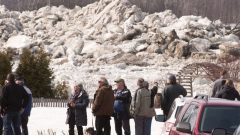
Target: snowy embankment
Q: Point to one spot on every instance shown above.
(43, 119)
(114, 38)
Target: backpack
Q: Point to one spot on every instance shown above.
(132, 105)
(157, 100)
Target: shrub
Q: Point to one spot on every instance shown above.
(232, 65)
(5, 66)
(35, 69)
(61, 90)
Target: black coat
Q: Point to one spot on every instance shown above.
(154, 91)
(228, 93)
(217, 86)
(126, 99)
(78, 115)
(14, 97)
(169, 94)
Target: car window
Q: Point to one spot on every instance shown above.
(226, 117)
(178, 111)
(190, 115)
(237, 131)
(171, 110)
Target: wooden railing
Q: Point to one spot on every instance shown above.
(45, 102)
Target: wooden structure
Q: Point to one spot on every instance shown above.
(45, 102)
(192, 71)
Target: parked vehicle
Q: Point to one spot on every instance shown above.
(207, 116)
(173, 113)
(237, 131)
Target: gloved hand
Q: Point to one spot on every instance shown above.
(3, 111)
(22, 110)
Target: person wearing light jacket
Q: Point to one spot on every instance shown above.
(143, 110)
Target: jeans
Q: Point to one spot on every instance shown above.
(1, 125)
(103, 125)
(24, 122)
(12, 120)
(143, 125)
(148, 125)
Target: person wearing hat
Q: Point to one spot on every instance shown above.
(171, 91)
(27, 110)
(77, 109)
(102, 107)
(121, 107)
(140, 82)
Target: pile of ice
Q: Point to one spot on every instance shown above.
(112, 38)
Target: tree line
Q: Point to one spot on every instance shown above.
(34, 67)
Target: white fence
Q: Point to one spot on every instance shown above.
(46, 102)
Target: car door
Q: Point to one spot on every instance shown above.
(188, 120)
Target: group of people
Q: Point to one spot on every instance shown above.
(224, 88)
(120, 105)
(16, 104)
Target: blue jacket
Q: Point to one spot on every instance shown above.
(122, 98)
(28, 108)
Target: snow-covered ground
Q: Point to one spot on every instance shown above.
(43, 118)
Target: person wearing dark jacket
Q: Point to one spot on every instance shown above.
(228, 91)
(154, 91)
(1, 120)
(121, 107)
(27, 110)
(14, 100)
(77, 110)
(102, 107)
(218, 85)
(170, 92)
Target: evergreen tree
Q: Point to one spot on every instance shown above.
(5, 66)
(61, 90)
(36, 71)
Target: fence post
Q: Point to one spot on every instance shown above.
(41, 102)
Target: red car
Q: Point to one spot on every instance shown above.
(202, 115)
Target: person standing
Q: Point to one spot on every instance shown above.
(218, 84)
(171, 91)
(154, 91)
(14, 100)
(102, 107)
(77, 110)
(143, 110)
(121, 107)
(228, 91)
(27, 111)
(1, 120)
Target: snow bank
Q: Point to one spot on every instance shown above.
(44, 119)
(20, 41)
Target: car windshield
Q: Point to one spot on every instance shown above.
(227, 117)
